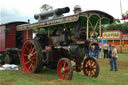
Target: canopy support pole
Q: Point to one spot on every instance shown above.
(87, 28)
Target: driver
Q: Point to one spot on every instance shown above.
(77, 9)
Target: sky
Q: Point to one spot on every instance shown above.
(22, 10)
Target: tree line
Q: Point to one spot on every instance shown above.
(123, 27)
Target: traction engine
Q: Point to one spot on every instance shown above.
(61, 41)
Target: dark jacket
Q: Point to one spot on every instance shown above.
(110, 53)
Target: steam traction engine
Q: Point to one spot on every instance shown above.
(59, 40)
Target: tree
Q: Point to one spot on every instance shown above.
(122, 27)
(117, 21)
(45, 7)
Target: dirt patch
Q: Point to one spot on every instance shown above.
(31, 75)
(41, 75)
(127, 69)
(121, 64)
(7, 82)
(103, 61)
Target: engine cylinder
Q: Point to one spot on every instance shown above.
(54, 13)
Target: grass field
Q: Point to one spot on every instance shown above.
(50, 77)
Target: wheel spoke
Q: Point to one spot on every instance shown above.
(34, 53)
(91, 61)
(31, 46)
(94, 67)
(33, 65)
(90, 73)
(64, 64)
(67, 74)
(32, 50)
(94, 70)
(34, 61)
(25, 54)
(30, 67)
(86, 72)
(93, 73)
(93, 64)
(27, 49)
(64, 74)
(27, 62)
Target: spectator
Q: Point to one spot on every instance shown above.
(110, 56)
(99, 52)
(110, 52)
(92, 51)
(114, 59)
(105, 49)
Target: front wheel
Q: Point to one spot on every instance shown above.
(65, 69)
(90, 67)
(32, 56)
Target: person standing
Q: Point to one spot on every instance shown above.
(114, 59)
(105, 49)
(110, 52)
(92, 51)
(110, 57)
(99, 52)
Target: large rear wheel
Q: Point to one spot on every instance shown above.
(64, 69)
(90, 67)
(32, 56)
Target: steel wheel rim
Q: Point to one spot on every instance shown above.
(29, 57)
(90, 67)
(63, 70)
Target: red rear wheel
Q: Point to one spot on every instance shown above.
(64, 69)
(91, 67)
(31, 56)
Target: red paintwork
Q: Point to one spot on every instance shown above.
(11, 36)
(124, 19)
(25, 36)
(93, 43)
(8, 39)
(2, 38)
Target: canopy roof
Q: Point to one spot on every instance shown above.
(65, 19)
(98, 13)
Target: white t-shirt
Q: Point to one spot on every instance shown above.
(105, 46)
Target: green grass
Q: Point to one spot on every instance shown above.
(50, 77)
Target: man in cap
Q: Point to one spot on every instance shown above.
(77, 9)
(113, 63)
